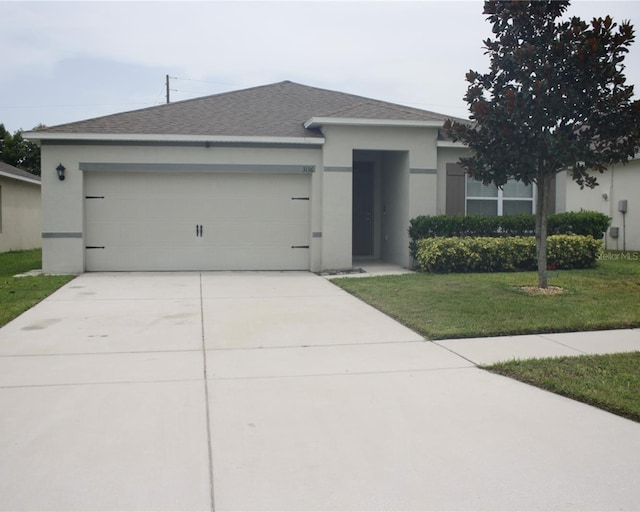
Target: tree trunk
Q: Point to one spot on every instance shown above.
(542, 216)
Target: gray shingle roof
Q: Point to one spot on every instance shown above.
(276, 110)
(10, 169)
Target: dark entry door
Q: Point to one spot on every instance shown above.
(362, 218)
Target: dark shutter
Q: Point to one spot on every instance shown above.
(455, 190)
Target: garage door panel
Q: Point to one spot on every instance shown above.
(246, 198)
(255, 233)
(140, 234)
(271, 258)
(149, 221)
(212, 258)
(122, 258)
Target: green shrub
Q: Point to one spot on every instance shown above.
(592, 224)
(586, 223)
(573, 251)
(493, 254)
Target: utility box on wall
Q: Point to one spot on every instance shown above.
(614, 232)
(622, 206)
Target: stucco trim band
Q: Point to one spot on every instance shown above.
(61, 235)
(337, 169)
(423, 171)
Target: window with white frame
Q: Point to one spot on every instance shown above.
(514, 197)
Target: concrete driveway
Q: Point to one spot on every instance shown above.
(278, 391)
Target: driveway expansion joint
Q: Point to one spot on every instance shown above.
(206, 396)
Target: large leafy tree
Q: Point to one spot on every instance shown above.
(555, 99)
(21, 153)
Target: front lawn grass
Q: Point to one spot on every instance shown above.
(610, 382)
(17, 294)
(441, 306)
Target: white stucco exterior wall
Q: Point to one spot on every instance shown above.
(396, 182)
(618, 183)
(407, 170)
(63, 201)
(20, 215)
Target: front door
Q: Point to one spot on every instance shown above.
(362, 218)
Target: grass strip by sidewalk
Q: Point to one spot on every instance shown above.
(17, 294)
(446, 306)
(610, 382)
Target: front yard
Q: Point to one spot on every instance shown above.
(445, 306)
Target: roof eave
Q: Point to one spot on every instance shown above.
(146, 137)
(20, 178)
(318, 122)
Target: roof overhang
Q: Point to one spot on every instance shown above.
(20, 178)
(317, 122)
(169, 138)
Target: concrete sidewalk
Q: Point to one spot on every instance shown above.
(486, 351)
(279, 391)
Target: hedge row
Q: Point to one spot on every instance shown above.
(491, 254)
(592, 224)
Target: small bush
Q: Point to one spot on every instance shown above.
(593, 224)
(587, 223)
(491, 254)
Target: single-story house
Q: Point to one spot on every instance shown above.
(20, 222)
(278, 177)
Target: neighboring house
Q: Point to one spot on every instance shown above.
(618, 190)
(20, 222)
(278, 177)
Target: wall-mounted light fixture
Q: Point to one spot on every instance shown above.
(60, 170)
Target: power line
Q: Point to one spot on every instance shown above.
(208, 81)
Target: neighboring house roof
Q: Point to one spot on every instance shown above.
(10, 171)
(284, 109)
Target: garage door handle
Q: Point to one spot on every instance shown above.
(199, 230)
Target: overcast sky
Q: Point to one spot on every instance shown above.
(67, 61)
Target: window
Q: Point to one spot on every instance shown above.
(515, 197)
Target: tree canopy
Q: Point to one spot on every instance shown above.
(21, 153)
(555, 99)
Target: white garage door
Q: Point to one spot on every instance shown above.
(196, 221)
